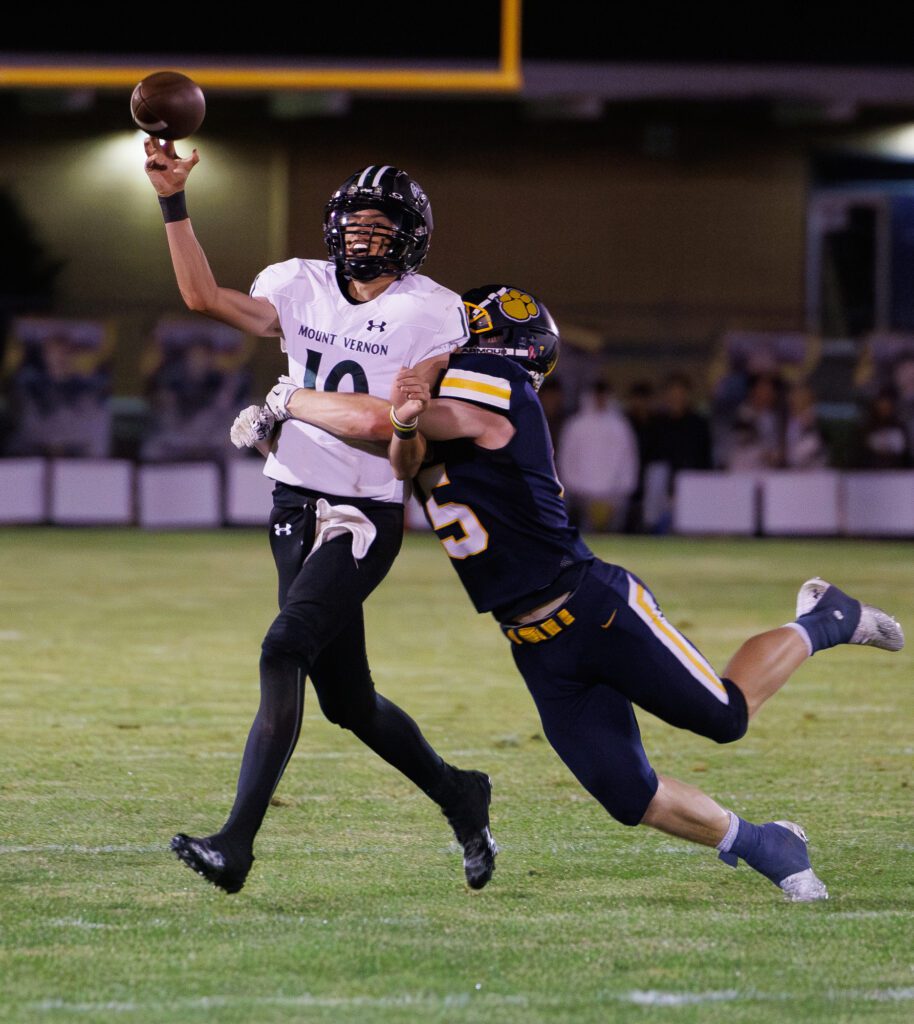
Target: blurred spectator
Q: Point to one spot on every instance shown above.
(756, 436)
(884, 441)
(804, 446)
(903, 377)
(196, 383)
(681, 440)
(642, 415)
(745, 357)
(60, 389)
(682, 434)
(598, 462)
(639, 408)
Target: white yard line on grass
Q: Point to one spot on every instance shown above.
(305, 1000)
(64, 848)
(654, 998)
(651, 997)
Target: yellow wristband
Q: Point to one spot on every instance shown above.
(404, 431)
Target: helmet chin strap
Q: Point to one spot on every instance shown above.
(362, 270)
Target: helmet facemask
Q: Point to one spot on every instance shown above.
(398, 244)
(365, 249)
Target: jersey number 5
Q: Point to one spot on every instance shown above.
(460, 532)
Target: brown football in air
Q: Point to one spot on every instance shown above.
(168, 105)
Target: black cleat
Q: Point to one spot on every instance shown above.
(468, 816)
(202, 856)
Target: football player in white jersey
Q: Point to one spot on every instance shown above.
(347, 325)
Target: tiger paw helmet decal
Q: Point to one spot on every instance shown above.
(510, 322)
(517, 305)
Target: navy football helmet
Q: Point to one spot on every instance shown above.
(380, 251)
(510, 322)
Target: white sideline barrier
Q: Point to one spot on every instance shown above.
(708, 502)
(91, 491)
(248, 493)
(176, 495)
(879, 504)
(181, 494)
(801, 503)
(23, 486)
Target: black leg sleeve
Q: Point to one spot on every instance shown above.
(344, 687)
(270, 743)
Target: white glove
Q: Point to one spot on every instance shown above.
(252, 424)
(279, 396)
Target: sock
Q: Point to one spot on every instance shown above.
(741, 838)
(771, 849)
(270, 743)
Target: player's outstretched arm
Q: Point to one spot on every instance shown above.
(168, 174)
(410, 396)
(349, 416)
(353, 417)
(449, 418)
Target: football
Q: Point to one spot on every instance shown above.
(168, 105)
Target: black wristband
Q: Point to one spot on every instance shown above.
(173, 207)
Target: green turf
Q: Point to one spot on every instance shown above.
(128, 681)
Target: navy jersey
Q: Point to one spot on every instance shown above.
(499, 514)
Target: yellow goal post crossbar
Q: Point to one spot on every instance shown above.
(506, 77)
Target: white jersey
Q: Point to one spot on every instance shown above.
(335, 344)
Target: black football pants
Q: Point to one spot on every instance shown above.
(320, 633)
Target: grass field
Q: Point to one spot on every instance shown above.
(127, 684)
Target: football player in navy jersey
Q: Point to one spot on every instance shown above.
(589, 637)
(346, 323)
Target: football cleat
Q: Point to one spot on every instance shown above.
(802, 886)
(782, 856)
(202, 856)
(468, 816)
(875, 627)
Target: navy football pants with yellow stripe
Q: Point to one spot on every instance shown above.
(612, 649)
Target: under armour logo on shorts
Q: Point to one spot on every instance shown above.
(283, 530)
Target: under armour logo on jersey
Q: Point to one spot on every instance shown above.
(283, 529)
(373, 326)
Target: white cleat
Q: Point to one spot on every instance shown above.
(804, 886)
(876, 628)
(809, 595)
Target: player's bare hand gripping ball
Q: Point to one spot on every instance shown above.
(165, 169)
